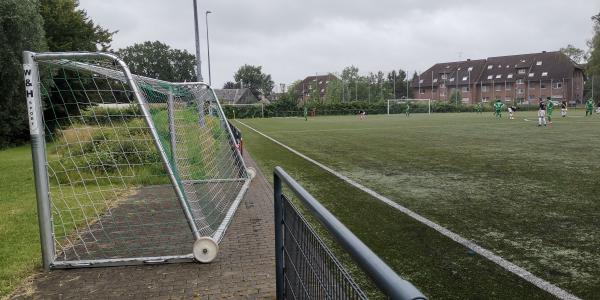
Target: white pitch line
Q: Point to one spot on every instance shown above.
(509, 266)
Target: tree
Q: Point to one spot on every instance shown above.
(21, 28)
(68, 28)
(231, 85)
(253, 78)
(158, 60)
(575, 54)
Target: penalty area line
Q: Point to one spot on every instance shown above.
(507, 265)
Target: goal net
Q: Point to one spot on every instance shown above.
(128, 169)
(398, 106)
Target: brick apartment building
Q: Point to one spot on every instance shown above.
(310, 83)
(520, 78)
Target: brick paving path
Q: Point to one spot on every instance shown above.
(245, 267)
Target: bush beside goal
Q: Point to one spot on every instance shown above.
(128, 169)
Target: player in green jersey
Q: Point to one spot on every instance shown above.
(407, 109)
(305, 113)
(549, 110)
(589, 107)
(498, 108)
(478, 108)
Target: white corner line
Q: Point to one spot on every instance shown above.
(509, 266)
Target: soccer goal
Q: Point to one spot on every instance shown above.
(395, 106)
(128, 169)
(252, 110)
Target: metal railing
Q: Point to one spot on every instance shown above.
(308, 269)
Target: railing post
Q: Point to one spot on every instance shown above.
(278, 203)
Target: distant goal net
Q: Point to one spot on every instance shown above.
(399, 106)
(128, 169)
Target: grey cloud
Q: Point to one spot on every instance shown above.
(295, 38)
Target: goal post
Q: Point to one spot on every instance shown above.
(128, 169)
(260, 108)
(391, 102)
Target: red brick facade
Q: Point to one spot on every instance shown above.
(516, 79)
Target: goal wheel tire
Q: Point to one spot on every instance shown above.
(205, 249)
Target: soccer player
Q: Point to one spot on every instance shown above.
(305, 113)
(542, 113)
(511, 112)
(407, 109)
(549, 110)
(589, 107)
(498, 107)
(563, 109)
(478, 108)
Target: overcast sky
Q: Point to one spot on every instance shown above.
(295, 38)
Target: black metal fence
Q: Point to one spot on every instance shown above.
(308, 269)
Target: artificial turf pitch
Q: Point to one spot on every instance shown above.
(529, 194)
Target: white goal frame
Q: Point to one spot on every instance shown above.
(45, 206)
(399, 101)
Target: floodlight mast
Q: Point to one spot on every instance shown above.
(198, 59)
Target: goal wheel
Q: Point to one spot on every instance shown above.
(251, 172)
(205, 249)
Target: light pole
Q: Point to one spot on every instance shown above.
(208, 46)
(198, 59)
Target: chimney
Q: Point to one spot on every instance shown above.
(468, 59)
(544, 51)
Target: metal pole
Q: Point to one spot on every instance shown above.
(394, 87)
(208, 45)
(198, 59)
(171, 113)
(279, 262)
(38, 153)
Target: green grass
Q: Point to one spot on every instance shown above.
(529, 194)
(19, 239)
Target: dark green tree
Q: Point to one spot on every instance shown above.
(231, 85)
(158, 60)
(68, 28)
(253, 78)
(21, 28)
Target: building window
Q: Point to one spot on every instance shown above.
(485, 99)
(531, 74)
(508, 99)
(435, 80)
(465, 89)
(321, 82)
(539, 63)
(470, 69)
(451, 79)
(520, 81)
(421, 81)
(542, 85)
(544, 74)
(498, 76)
(484, 88)
(498, 87)
(557, 85)
(509, 76)
(442, 86)
(520, 91)
(421, 91)
(508, 86)
(531, 97)
(521, 71)
(490, 67)
(490, 77)
(465, 78)
(444, 76)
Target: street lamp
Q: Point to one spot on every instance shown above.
(208, 45)
(198, 59)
